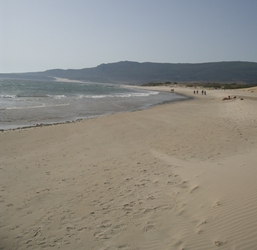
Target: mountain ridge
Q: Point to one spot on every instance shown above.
(136, 73)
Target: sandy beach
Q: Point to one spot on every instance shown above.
(176, 176)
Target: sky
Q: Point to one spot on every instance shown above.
(37, 35)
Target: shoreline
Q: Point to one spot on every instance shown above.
(175, 176)
(187, 92)
(78, 119)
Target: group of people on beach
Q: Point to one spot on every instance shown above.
(203, 92)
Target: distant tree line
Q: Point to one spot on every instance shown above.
(213, 85)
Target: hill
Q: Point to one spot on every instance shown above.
(139, 73)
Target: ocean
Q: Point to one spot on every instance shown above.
(32, 103)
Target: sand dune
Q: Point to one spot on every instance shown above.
(176, 176)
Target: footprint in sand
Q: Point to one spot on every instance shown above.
(123, 246)
(148, 228)
(216, 204)
(218, 243)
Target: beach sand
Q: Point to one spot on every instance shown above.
(175, 176)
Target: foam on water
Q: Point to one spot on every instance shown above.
(27, 103)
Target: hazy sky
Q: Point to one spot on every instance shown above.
(36, 35)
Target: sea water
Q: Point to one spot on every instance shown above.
(31, 103)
